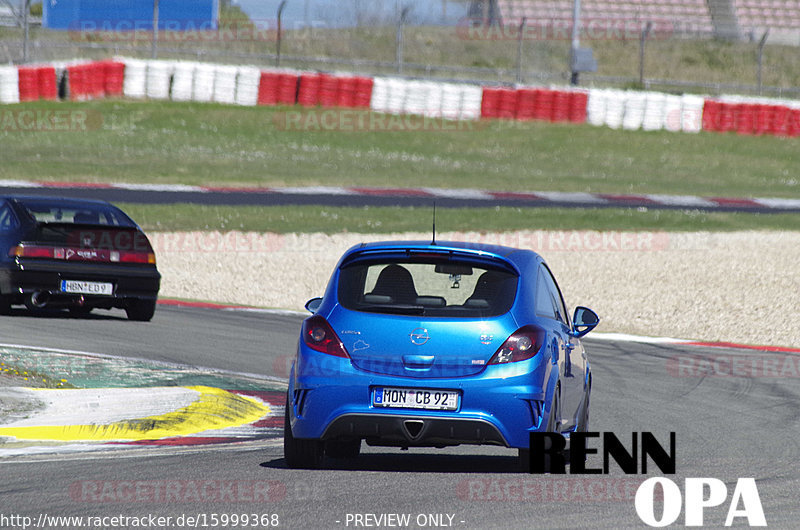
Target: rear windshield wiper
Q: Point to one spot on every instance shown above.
(400, 309)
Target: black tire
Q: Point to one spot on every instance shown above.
(5, 305)
(552, 421)
(343, 448)
(583, 422)
(141, 310)
(300, 454)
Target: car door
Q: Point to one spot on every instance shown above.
(572, 380)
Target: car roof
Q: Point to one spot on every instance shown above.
(514, 255)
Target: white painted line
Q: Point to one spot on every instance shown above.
(582, 198)
(683, 200)
(779, 204)
(160, 187)
(100, 406)
(459, 193)
(280, 312)
(19, 184)
(624, 337)
(314, 190)
(54, 350)
(59, 449)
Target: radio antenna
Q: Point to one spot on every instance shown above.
(433, 240)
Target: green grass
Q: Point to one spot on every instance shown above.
(206, 144)
(369, 220)
(199, 144)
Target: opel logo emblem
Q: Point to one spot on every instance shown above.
(419, 336)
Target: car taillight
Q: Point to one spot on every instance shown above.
(318, 335)
(32, 251)
(133, 257)
(521, 345)
(81, 254)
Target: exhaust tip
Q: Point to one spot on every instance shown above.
(37, 300)
(413, 428)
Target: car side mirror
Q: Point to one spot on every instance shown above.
(313, 304)
(583, 321)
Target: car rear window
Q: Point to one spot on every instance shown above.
(84, 214)
(430, 288)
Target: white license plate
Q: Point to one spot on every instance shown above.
(81, 287)
(414, 398)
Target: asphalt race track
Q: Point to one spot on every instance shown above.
(726, 428)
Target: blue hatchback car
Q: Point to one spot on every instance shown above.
(420, 344)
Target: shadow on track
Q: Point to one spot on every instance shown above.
(417, 463)
(61, 314)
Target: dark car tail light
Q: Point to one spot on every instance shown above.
(81, 254)
(32, 251)
(520, 346)
(134, 257)
(319, 335)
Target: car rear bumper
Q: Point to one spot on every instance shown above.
(413, 430)
(499, 406)
(20, 278)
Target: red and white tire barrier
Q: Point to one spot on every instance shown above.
(534, 103)
(648, 111)
(752, 116)
(37, 82)
(9, 84)
(453, 101)
(135, 85)
(251, 85)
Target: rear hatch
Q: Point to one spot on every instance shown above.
(85, 243)
(421, 348)
(426, 313)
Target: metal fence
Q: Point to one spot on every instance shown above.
(437, 39)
